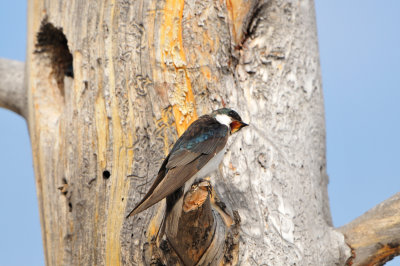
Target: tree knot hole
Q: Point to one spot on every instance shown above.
(52, 43)
(106, 174)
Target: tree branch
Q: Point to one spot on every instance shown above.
(12, 91)
(374, 237)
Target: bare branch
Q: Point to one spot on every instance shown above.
(374, 237)
(12, 91)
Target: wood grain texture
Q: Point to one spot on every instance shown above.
(142, 70)
(374, 237)
(196, 231)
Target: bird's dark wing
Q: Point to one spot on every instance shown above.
(198, 144)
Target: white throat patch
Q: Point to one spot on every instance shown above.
(224, 119)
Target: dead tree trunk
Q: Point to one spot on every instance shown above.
(111, 84)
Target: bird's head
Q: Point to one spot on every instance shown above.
(229, 118)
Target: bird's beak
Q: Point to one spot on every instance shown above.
(243, 125)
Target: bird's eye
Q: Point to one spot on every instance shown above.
(234, 115)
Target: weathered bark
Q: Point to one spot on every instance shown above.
(12, 89)
(374, 237)
(141, 73)
(110, 86)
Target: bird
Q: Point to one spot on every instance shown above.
(197, 153)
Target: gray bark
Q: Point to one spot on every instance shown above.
(278, 179)
(12, 89)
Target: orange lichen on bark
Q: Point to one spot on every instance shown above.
(382, 255)
(174, 65)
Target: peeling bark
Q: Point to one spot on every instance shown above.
(374, 237)
(12, 89)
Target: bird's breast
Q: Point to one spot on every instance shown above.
(212, 164)
(207, 169)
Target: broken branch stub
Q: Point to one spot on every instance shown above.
(12, 90)
(374, 237)
(202, 236)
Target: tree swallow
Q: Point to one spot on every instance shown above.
(197, 153)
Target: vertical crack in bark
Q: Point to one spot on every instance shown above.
(244, 17)
(243, 23)
(252, 22)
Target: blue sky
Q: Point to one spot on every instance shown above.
(360, 60)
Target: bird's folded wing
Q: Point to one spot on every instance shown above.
(198, 144)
